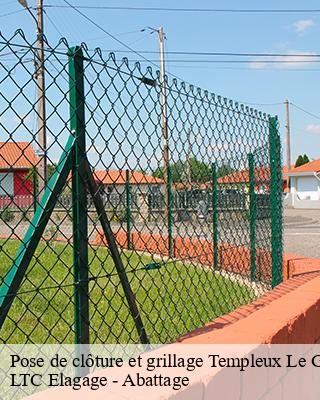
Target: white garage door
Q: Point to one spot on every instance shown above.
(307, 184)
(6, 184)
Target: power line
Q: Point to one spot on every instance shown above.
(118, 34)
(262, 104)
(114, 38)
(11, 13)
(236, 61)
(214, 10)
(207, 67)
(305, 111)
(260, 69)
(53, 23)
(11, 53)
(140, 38)
(309, 55)
(106, 32)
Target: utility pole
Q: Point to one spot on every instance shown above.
(41, 107)
(288, 150)
(163, 98)
(42, 139)
(164, 117)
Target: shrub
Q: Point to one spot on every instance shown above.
(7, 215)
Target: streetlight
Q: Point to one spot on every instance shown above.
(41, 124)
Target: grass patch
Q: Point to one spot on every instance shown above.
(172, 300)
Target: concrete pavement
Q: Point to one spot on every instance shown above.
(302, 232)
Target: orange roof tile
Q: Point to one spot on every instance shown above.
(116, 177)
(261, 174)
(312, 166)
(17, 155)
(285, 169)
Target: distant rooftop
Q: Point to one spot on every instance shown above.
(17, 155)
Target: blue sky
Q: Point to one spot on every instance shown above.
(246, 82)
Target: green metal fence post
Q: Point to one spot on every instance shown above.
(79, 198)
(215, 215)
(252, 209)
(133, 307)
(128, 211)
(14, 277)
(275, 201)
(169, 191)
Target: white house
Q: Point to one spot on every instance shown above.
(305, 185)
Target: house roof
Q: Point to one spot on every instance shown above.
(243, 176)
(118, 177)
(260, 174)
(310, 167)
(17, 155)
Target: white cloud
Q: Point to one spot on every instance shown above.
(313, 128)
(293, 59)
(302, 25)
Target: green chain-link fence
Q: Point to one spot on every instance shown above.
(161, 209)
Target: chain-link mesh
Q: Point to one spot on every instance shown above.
(187, 182)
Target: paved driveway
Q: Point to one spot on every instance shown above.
(302, 232)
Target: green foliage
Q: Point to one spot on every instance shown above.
(168, 308)
(200, 171)
(224, 170)
(7, 215)
(119, 214)
(305, 159)
(301, 160)
(33, 175)
(177, 171)
(50, 170)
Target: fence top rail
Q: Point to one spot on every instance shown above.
(20, 47)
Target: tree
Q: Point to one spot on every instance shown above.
(301, 160)
(200, 171)
(50, 170)
(305, 159)
(224, 170)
